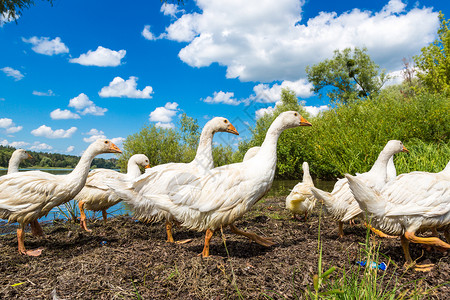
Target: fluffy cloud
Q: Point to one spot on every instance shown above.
(262, 111)
(13, 129)
(125, 88)
(163, 115)
(48, 132)
(70, 149)
(9, 125)
(48, 93)
(280, 48)
(46, 46)
(94, 134)
(4, 18)
(12, 73)
(221, 97)
(40, 146)
(85, 106)
(169, 9)
(315, 110)
(118, 141)
(266, 94)
(102, 57)
(3, 142)
(146, 33)
(6, 122)
(59, 114)
(19, 144)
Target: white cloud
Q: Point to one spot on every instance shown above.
(262, 111)
(13, 129)
(59, 114)
(6, 122)
(125, 88)
(94, 134)
(40, 146)
(48, 93)
(85, 106)
(118, 141)
(315, 110)
(2, 99)
(18, 144)
(284, 43)
(12, 73)
(396, 77)
(102, 57)
(169, 9)
(146, 33)
(44, 45)
(48, 132)
(221, 97)
(4, 143)
(165, 125)
(70, 149)
(4, 18)
(266, 94)
(164, 114)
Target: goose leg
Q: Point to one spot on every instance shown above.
(83, 217)
(36, 228)
(104, 215)
(434, 241)
(169, 232)
(208, 236)
(341, 229)
(379, 232)
(21, 242)
(267, 242)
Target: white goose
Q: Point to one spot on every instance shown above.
(156, 179)
(27, 196)
(97, 196)
(341, 204)
(410, 203)
(17, 157)
(225, 193)
(301, 200)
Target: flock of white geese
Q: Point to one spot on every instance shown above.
(198, 196)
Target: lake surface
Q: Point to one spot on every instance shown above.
(279, 188)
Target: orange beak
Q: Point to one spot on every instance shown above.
(405, 150)
(232, 130)
(303, 122)
(147, 167)
(29, 156)
(114, 149)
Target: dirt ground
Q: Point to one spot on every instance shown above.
(127, 259)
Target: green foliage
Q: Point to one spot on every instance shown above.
(347, 77)
(433, 63)
(12, 9)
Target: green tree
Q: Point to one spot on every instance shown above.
(12, 9)
(347, 77)
(434, 61)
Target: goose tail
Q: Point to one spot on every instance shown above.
(368, 199)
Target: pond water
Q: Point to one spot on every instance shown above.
(279, 188)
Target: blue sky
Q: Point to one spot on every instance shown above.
(79, 70)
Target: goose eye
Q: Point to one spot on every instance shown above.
(225, 121)
(106, 142)
(295, 114)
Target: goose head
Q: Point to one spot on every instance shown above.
(291, 119)
(21, 154)
(220, 124)
(141, 160)
(103, 146)
(395, 146)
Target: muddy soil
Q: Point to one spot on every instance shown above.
(127, 259)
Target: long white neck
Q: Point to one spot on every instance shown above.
(13, 166)
(268, 150)
(79, 175)
(379, 168)
(204, 157)
(306, 176)
(133, 170)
